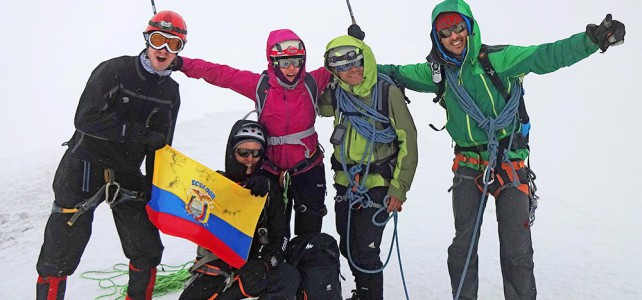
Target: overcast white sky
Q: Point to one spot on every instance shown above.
(52, 47)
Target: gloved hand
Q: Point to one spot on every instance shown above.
(152, 139)
(252, 276)
(258, 185)
(609, 33)
(355, 31)
(177, 64)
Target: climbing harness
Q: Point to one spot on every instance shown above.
(111, 192)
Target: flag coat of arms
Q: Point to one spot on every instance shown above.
(194, 202)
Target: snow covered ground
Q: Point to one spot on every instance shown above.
(585, 138)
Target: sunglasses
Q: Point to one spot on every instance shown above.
(350, 55)
(346, 67)
(286, 62)
(159, 40)
(446, 32)
(242, 152)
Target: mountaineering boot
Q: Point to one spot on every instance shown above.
(369, 287)
(51, 288)
(141, 283)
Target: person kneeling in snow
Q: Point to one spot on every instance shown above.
(265, 273)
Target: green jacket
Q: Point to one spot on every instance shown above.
(405, 149)
(510, 62)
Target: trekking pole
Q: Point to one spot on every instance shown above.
(153, 7)
(349, 9)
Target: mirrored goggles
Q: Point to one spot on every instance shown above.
(286, 62)
(159, 40)
(350, 55)
(242, 152)
(446, 32)
(346, 67)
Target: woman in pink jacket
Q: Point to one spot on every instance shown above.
(286, 102)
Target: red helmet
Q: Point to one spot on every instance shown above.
(170, 22)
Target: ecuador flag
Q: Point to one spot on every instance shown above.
(193, 202)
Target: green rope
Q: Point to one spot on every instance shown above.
(169, 279)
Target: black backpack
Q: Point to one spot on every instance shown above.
(316, 257)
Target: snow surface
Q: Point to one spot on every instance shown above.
(585, 135)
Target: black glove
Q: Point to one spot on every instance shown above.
(355, 31)
(609, 33)
(152, 139)
(252, 276)
(258, 185)
(177, 64)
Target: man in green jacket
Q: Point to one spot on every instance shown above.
(375, 156)
(489, 155)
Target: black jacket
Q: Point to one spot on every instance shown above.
(275, 216)
(120, 102)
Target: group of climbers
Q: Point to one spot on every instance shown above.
(129, 109)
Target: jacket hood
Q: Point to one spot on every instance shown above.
(369, 65)
(233, 168)
(439, 54)
(277, 36)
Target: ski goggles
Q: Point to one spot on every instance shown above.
(290, 51)
(350, 55)
(286, 62)
(159, 40)
(242, 152)
(346, 67)
(457, 28)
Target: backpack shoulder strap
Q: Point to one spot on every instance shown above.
(490, 71)
(261, 92)
(313, 89)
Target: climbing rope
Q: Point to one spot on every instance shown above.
(507, 116)
(168, 279)
(363, 119)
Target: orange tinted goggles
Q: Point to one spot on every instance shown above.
(159, 40)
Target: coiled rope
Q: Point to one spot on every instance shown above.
(169, 279)
(363, 119)
(507, 116)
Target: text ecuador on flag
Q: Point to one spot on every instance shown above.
(191, 201)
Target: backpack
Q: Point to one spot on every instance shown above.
(316, 257)
(438, 70)
(264, 85)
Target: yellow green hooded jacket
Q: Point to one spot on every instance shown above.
(405, 149)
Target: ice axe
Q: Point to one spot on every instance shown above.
(349, 9)
(154, 7)
(354, 30)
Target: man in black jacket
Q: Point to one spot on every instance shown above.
(127, 111)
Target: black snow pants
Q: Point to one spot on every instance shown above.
(63, 246)
(364, 241)
(516, 247)
(307, 191)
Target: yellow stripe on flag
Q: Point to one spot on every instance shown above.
(202, 188)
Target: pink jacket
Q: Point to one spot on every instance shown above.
(285, 111)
